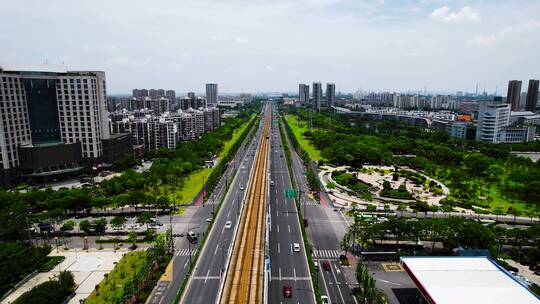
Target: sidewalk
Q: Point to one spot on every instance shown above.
(88, 270)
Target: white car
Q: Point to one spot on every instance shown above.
(228, 225)
(325, 300)
(296, 247)
(208, 220)
(241, 187)
(134, 226)
(118, 228)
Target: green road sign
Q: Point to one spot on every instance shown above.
(290, 193)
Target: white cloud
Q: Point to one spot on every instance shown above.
(241, 40)
(269, 68)
(505, 33)
(443, 14)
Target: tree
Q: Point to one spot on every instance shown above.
(477, 163)
(162, 202)
(100, 225)
(84, 226)
(144, 218)
(118, 221)
(132, 238)
(346, 242)
(401, 208)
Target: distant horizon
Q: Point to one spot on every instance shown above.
(269, 46)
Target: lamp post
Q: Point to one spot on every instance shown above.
(85, 243)
(56, 241)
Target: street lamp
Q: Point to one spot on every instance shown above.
(85, 243)
(56, 241)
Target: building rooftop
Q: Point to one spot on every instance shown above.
(450, 280)
(50, 68)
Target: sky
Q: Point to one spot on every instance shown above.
(273, 45)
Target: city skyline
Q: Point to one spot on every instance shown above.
(375, 45)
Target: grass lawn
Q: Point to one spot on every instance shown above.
(298, 128)
(499, 201)
(194, 182)
(111, 287)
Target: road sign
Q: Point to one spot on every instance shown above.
(290, 193)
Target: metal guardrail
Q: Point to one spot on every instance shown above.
(12, 290)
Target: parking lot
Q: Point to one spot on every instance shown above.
(394, 281)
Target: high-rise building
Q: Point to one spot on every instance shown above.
(212, 94)
(330, 94)
(317, 96)
(492, 118)
(303, 94)
(514, 93)
(532, 95)
(52, 118)
(171, 95)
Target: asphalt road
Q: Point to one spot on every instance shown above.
(287, 268)
(166, 291)
(326, 228)
(204, 283)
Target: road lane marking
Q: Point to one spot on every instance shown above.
(278, 248)
(215, 251)
(278, 228)
(280, 273)
(335, 280)
(291, 278)
(289, 226)
(294, 273)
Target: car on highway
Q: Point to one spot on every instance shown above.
(192, 237)
(228, 225)
(271, 183)
(324, 300)
(287, 291)
(241, 187)
(296, 247)
(208, 220)
(326, 265)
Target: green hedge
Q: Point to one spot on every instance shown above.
(54, 291)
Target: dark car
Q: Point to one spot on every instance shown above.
(534, 267)
(326, 265)
(287, 291)
(537, 272)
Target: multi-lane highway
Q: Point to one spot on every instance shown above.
(205, 281)
(326, 228)
(195, 219)
(288, 268)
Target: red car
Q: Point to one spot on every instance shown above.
(287, 291)
(326, 265)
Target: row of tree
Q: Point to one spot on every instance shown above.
(451, 232)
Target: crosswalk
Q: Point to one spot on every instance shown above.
(327, 254)
(184, 252)
(309, 203)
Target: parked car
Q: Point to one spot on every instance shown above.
(134, 226)
(316, 265)
(326, 265)
(287, 291)
(118, 228)
(534, 267)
